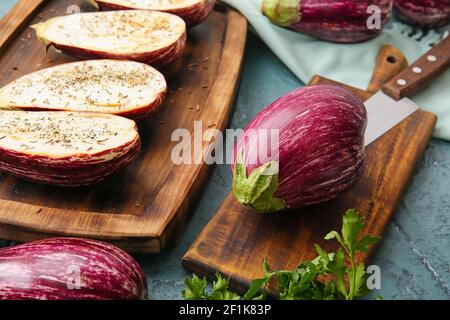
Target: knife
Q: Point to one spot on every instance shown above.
(390, 105)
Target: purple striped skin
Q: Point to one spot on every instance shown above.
(45, 270)
(424, 13)
(321, 144)
(193, 15)
(342, 21)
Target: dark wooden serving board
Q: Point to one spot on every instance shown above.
(236, 240)
(146, 205)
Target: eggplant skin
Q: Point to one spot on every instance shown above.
(342, 21)
(146, 111)
(348, 23)
(424, 13)
(70, 269)
(67, 172)
(192, 15)
(321, 150)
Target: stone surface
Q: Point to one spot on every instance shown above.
(414, 256)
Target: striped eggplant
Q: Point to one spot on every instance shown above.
(305, 148)
(424, 13)
(343, 21)
(69, 269)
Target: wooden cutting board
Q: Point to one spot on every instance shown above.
(145, 206)
(236, 240)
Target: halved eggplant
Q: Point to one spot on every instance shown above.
(193, 12)
(155, 38)
(66, 148)
(125, 88)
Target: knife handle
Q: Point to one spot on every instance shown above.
(420, 73)
(390, 61)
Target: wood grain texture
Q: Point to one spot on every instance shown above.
(16, 18)
(390, 61)
(420, 73)
(144, 207)
(236, 240)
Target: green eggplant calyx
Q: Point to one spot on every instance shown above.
(282, 12)
(257, 190)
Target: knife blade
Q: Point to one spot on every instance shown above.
(390, 105)
(384, 113)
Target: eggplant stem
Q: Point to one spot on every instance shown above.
(257, 190)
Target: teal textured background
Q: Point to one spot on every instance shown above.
(414, 256)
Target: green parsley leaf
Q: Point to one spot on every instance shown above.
(195, 288)
(358, 281)
(337, 268)
(364, 244)
(352, 224)
(220, 290)
(255, 288)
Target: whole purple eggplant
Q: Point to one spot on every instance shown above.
(424, 13)
(69, 269)
(332, 20)
(305, 148)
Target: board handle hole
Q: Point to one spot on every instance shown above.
(391, 59)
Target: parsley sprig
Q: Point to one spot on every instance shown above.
(196, 289)
(330, 276)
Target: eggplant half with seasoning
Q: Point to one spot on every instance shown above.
(66, 148)
(126, 88)
(155, 38)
